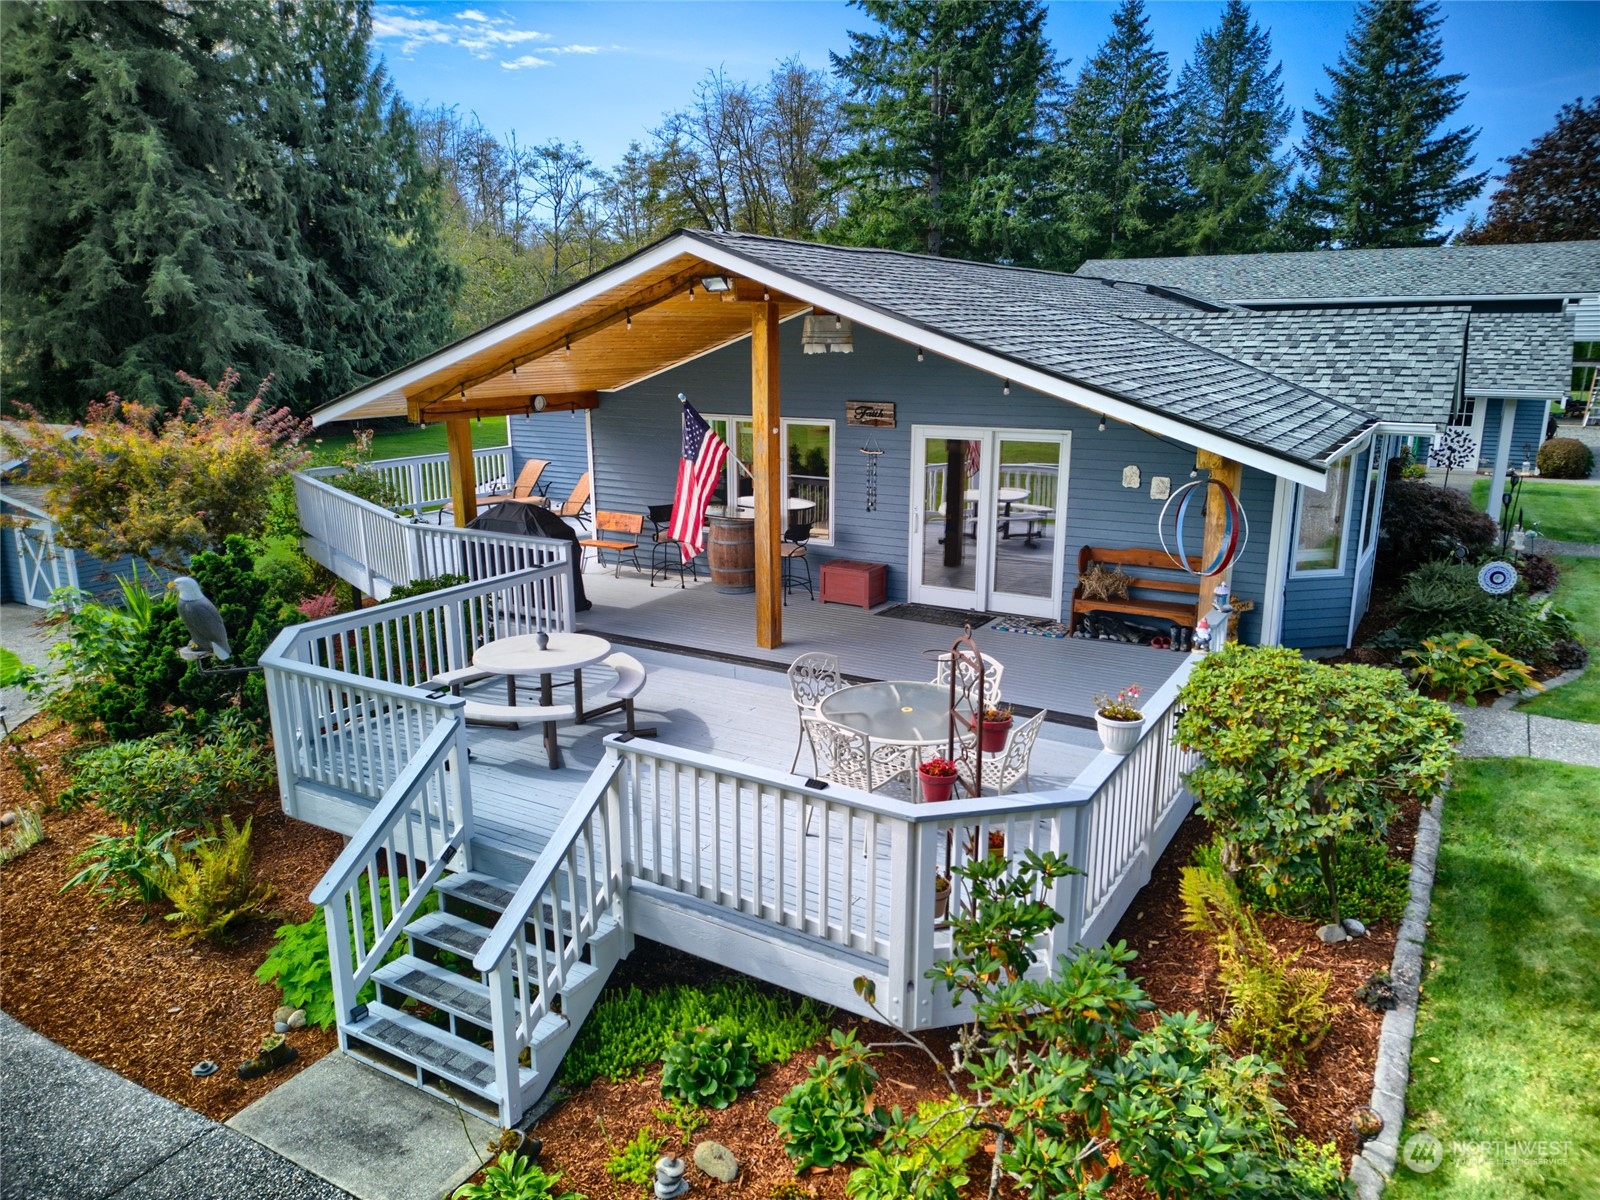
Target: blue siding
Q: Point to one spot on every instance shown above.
(637, 435)
(560, 437)
(1527, 431)
(1316, 608)
(10, 565)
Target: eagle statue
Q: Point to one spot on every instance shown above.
(207, 633)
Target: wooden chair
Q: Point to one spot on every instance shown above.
(624, 530)
(1002, 771)
(576, 505)
(812, 679)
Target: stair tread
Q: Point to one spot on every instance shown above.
(451, 932)
(456, 1059)
(437, 986)
(477, 888)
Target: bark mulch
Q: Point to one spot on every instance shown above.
(111, 982)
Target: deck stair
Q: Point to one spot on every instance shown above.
(432, 1023)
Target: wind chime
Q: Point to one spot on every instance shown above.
(874, 452)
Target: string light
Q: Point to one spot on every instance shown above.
(1005, 388)
(691, 291)
(1102, 423)
(629, 316)
(919, 353)
(569, 346)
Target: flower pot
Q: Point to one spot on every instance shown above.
(941, 899)
(992, 734)
(997, 843)
(936, 787)
(1119, 737)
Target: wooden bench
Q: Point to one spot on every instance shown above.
(1184, 612)
(620, 526)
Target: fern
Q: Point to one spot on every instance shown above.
(210, 886)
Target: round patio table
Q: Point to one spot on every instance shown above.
(900, 712)
(521, 655)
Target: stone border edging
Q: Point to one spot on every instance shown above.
(1373, 1166)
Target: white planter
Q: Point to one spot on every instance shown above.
(1119, 737)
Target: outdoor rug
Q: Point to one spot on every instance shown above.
(932, 614)
(1038, 626)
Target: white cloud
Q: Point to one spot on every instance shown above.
(525, 63)
(470, 30)
(576, 49)
(471, 14)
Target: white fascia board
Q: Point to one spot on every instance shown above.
(394, 385)
(1004, 368)
(1407, 428)
(1512, 394)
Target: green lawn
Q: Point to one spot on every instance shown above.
(409, 440)
(1508, 1040)
(1579, 593)
(1567, 512)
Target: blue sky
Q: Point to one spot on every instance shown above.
(602, 74)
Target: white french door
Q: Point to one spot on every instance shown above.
(988, 508)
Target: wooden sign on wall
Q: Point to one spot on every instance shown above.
(877, 413)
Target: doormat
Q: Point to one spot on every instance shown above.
(1038, 626)
(932, 614)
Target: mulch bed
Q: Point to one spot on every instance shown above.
(115, 986)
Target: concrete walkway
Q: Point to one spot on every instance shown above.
(1505, 733)
(72, 1130)
(23, 631)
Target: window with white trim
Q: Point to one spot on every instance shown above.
(808, 470)
(1319, 535)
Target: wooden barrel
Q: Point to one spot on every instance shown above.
(731, 547)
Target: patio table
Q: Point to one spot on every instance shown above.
(901, 713)
(795, 504)
(522, 655)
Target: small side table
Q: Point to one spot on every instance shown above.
(845, 581)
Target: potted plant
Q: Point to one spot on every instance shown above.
(994, 728)
(997, 843)
(1119, 720)
(941, 897)
(938, 776)
(275, 1053)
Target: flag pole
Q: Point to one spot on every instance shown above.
(732, 453)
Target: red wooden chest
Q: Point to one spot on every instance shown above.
(861, 583)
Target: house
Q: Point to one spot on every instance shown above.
(1525, 306)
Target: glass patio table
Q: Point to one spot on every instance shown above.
(900, 712)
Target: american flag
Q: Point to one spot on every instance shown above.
(698, 475)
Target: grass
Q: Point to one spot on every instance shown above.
(1579, 593)
(1565, 512)
(1508, 1040)
(410, 440)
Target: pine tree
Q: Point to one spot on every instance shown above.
(1121, 156)
(1381, 171)
(1551, 191)
(135, 236)
(946, 107)
(1234, 121)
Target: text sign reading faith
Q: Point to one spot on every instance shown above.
(877, 413)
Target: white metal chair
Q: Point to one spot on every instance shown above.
(812, 679)
(630, 682)
(853, 759)
(1002, 771)
(967, 676)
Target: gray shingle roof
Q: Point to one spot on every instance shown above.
(1401, 364)
(1422, 273)
(1527, 352)
(1079, 330)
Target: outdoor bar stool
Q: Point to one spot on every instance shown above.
(793, 553)
(665, 550)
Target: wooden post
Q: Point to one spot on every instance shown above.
(768, 470)
(1226, 471)
(463, 476)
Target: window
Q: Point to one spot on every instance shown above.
(1377, 462)
(807, 470)
(1319, 534)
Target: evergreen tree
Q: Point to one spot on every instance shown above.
(366, 212)
(1234, 121)
(1380, 169)
(946, 104)
(1551, 193)
(135, 230)
(1121, 156)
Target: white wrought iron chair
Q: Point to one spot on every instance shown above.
(853, 759)
(967, 676)
(1001, 771)
(812, 679)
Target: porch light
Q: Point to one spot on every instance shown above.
(820, 335)
(716, 283)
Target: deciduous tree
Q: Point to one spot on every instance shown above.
(1550, 191)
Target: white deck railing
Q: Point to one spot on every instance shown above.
(422, 481)
(1039, 480)
(369, 547)
(422, 822)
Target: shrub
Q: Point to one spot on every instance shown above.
(1422, 523)
(1297, 754)
(1274, 1007)
(706, 1067)
(1462, 666)
(129, 866)
(824, 1121)
(922, 1157)
(513, 1177)
(360, 479)
(635, 1163)
(1442, 597)
(1565, 458)
(1373, 884)
(210, 886)
(171, 779)
(1539, 573)
(685, 1118)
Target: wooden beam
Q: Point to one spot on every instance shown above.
(1225, 471)
(750, 290)
(765, 419)
(498, 406)
(645, 298)
(463, 477)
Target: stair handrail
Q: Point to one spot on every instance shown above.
(417, 842)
